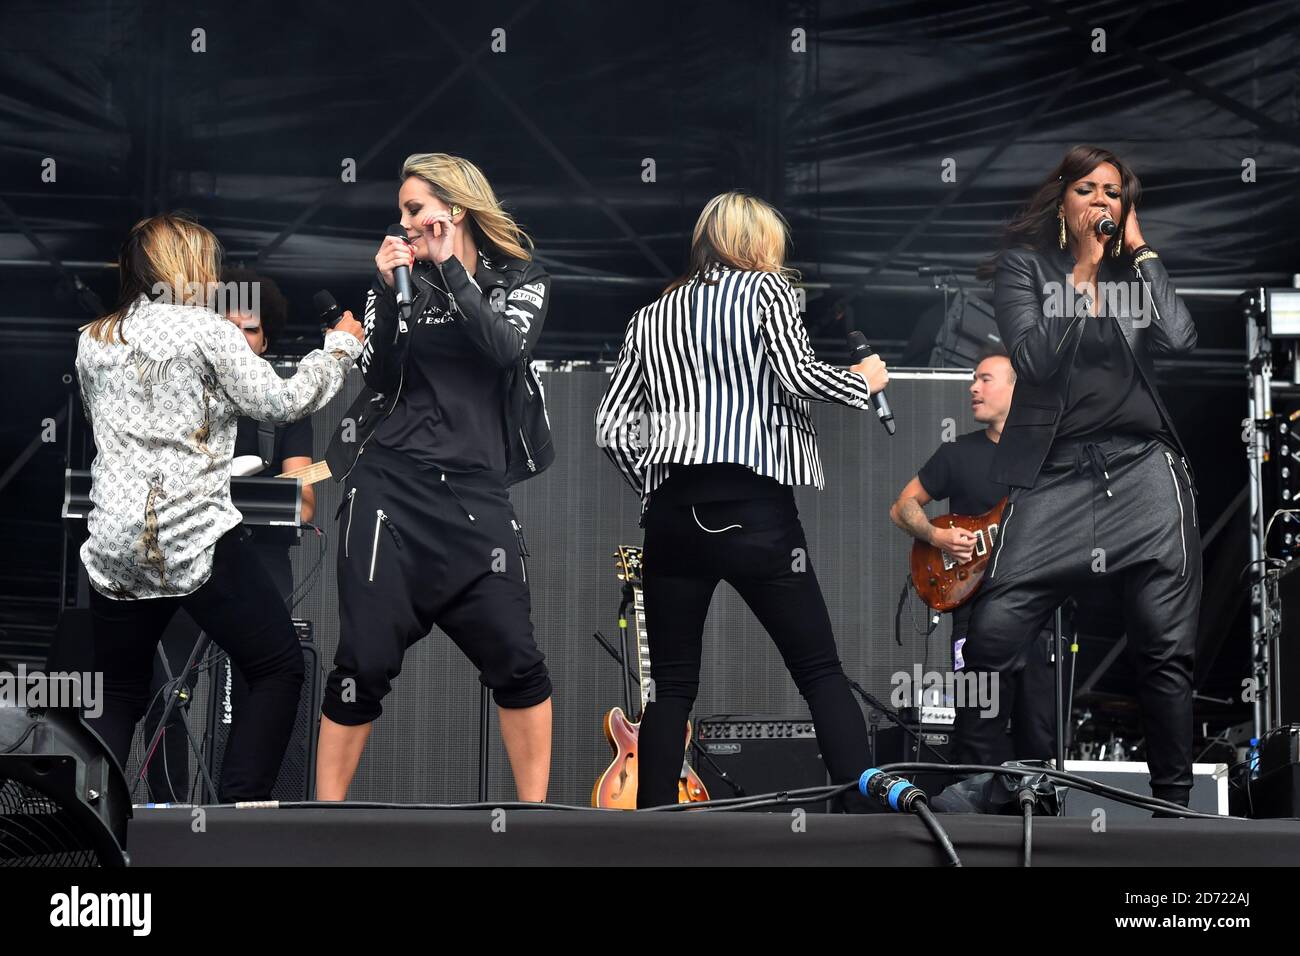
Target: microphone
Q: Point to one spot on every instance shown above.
(858, 351)
(891, 791)
(402, 277)
(1106, 226)
(327, 310)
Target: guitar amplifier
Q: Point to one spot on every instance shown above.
(297, 777)
(760, 754)
(930, 741)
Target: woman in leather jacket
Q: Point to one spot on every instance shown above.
(1101, 491)
(452, 415)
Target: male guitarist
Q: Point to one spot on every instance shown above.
(958, 471)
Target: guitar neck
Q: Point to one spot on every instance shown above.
(637, 622)
(309, 474)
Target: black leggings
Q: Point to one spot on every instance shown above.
(687, 552)
(242, 612)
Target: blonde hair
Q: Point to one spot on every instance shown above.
(162, 255)
(459, 182)
(739, 231)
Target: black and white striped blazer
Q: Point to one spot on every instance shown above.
(720, 370)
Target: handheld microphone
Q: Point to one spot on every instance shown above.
(402, 277)
(890, 791)
(327, 310)
(1106, 226)
(859, 350)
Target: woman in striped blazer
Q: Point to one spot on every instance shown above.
(707, 417)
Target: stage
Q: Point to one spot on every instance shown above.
(367, 836)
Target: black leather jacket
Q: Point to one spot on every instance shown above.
(504, 320)
(1042, 330)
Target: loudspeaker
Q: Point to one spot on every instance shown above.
(967, 333)
(759, 754)
(297, 777)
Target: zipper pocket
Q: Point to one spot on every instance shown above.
(383, 520)
(401, 380)
(523, 547)
(1068, 330)
(1178, 492)
(351, 502)
(519, 536)
(1002, 537)
(1191, 487)
(528, 452)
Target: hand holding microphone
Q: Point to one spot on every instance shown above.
(869, 365)
(394, 259)
(332, 318)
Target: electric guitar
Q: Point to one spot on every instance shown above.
(617, 786)
(941, 581)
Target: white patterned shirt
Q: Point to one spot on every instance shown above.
(163, 408)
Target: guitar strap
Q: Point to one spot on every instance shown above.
(266, 444)
(931, 623)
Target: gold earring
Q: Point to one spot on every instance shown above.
(1118, 244)
(1060, 217)
(455, 210)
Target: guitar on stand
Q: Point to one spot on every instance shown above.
(941, 581)
(617, 786)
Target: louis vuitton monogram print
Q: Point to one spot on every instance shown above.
(163, 409)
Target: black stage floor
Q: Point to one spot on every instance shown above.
(354, 836)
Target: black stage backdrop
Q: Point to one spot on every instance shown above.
(605, 127)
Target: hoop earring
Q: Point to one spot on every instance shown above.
(1060, 218)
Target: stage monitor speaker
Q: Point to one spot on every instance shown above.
(297, 777)
(1275, 792)
(759, 754)
(1209, 788)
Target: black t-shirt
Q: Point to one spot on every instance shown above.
(959, 472)
(451, 411)
(293, 440)
(1106, 395)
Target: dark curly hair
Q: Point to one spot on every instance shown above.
(274, 306)
(1034, 225)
